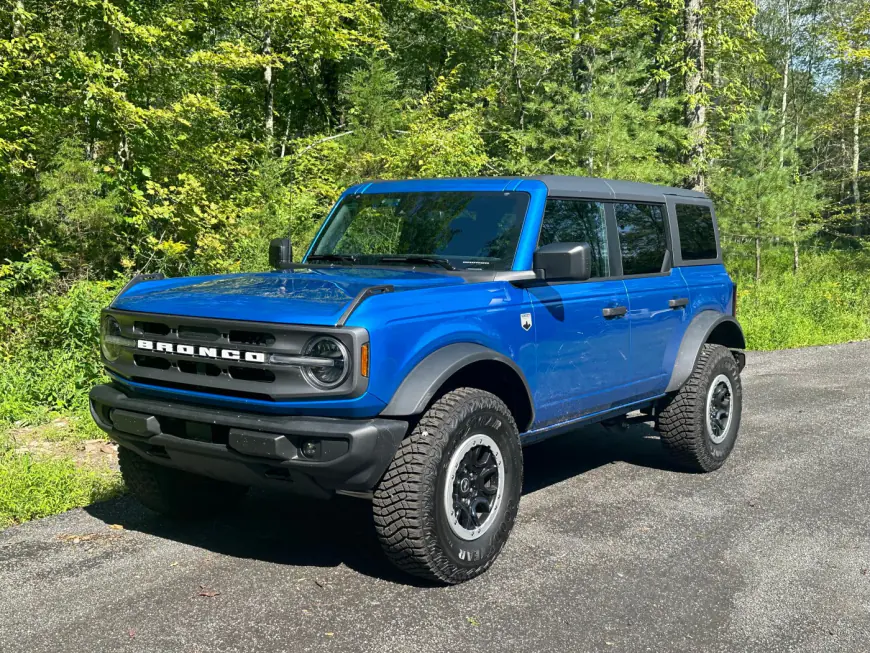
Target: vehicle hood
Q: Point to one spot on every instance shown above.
(316, 296)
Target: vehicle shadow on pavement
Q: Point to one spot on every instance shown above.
(578, 452)
(290, 530)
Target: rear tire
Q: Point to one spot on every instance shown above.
(175, 493)
(699, 423)
(447, 503)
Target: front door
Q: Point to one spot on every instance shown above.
(582, 334)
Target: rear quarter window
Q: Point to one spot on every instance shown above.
(697, 237)
(642, 239)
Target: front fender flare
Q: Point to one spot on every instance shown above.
(416, 391)
(698, 333)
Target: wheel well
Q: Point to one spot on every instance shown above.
(727, 334)
(499, 379)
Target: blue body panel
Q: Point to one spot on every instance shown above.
(576, 362)
(656, 329)
(709, 288)
(583, 358)
(317, 296)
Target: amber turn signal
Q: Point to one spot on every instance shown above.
(364, 360)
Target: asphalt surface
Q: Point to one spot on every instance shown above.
(613, 551)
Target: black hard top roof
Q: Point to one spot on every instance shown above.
(594, 187)
(557, 186)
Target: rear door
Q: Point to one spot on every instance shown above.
(582, 355)
(658, 296)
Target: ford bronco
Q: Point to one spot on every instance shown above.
(430, 331)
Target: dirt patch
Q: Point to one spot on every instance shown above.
(56, 440)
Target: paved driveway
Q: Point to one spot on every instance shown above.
(613, 551)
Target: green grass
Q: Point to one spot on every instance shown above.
(33, 486)
(826, 302)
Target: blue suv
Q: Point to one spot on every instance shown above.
(431, 330)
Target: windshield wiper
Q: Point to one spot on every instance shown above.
(340, 258)
(427, 260)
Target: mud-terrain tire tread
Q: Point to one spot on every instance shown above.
(175, 493)
(681, 422)
(401, 521)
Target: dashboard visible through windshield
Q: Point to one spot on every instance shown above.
(453, 230)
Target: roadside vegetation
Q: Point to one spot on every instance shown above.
(180, 137)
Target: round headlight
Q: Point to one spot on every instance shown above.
(110, 337)
(328, 376)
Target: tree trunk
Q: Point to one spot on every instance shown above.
(124, 154)
(856, 157)
(514, 63)
(17, 25)
(576, 58)
(717, 66)
(758, 249)
(696, 109)
(785, 71)
(662, 84)
(796, 258)
(269, 96)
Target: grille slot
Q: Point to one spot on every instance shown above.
(196, 367)
(153, 328)
(252, 374)
(202, 334)
(256, 338)
(152, 361)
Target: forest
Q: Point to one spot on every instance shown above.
(179, 136)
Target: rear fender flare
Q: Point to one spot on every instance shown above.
(697, 334)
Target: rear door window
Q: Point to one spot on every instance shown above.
(576, 221)
(697, 237)
(642, 239)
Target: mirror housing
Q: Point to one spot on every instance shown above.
(563, 262)
(280, 253)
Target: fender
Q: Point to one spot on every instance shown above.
(422, 382)
(698, 333)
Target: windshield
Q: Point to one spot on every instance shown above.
(451, 230)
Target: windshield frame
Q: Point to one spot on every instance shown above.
(509, 262)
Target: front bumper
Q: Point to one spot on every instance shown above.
(249, 449)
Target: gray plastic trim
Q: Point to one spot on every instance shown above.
(421, 384)
(696, 335)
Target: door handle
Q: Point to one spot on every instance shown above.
(678, 303)
(614, 311)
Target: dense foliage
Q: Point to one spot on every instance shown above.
(180, 135)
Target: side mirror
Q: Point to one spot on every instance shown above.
(280, 253)
(563, 262)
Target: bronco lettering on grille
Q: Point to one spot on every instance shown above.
(204, 352)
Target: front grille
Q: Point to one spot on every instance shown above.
(189, 353)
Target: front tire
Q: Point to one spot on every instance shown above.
(447, 503)
(699, 423)
(175, 493)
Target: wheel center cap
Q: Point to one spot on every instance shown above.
(464, 485)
